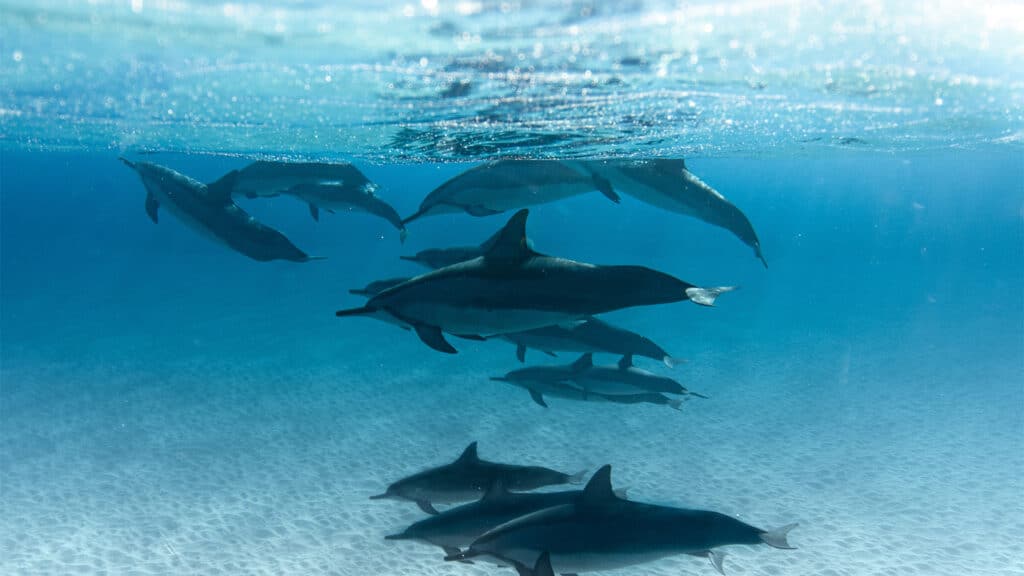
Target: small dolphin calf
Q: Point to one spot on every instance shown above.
(601, 531)
(376, 287)
(512, 288)
(458, 527)
(669, 185)
(328, 186)
(593, 335)
(467, 478)
(495, 187)
(550, 381)
(435, 258)
(606, 379)
(209, 210)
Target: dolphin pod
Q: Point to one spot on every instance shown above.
(209, 210)
(513, 288)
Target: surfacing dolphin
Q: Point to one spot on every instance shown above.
(601, 531)
(467, 478)
(502, 185)
(458, 527)
(513, 288)
(667, 184)
(209, 210)
(333, 187)
(592, 335)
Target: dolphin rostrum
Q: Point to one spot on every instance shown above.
(503, 185)
(667, 184)
(593, 335)
(458, 527)
(513, 288)
(467, 478)
(209, 210)
(601, 531)
(329, 186)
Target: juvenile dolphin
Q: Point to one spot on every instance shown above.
(376, 287)
(467, 478)
(667, 184)
(435, 258)
(541, 382)
(601, 531)
(593, 335)
(209, 210)
(501, 185)
(604, 379)
(513, 288)
(458, 527)
(328, 186)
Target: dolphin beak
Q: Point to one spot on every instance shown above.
(383, 496)
(499, 379)
(409, 258)
(127, 162)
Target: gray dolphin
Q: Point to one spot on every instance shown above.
(601, 531)
(467, 478)
(513, 288)
(501, 185)
(593, 335)
(209, 210)
(377, 286)
(329, 186)
(435, 258)
(545, 381)
(458, 527)
(605, 379)
(667, 184)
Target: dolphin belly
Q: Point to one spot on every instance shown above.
(485, 321)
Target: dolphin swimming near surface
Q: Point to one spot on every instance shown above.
(323, 186)
(502, 185)
(593, 335)
(467, 478)
(601, 531)
(512, 288)
(667, 184)
(458, 527)
(209, 210)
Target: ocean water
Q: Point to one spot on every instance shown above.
(168, 406)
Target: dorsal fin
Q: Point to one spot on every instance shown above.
(496, 491)
(626, 362)
(509, 244)
(468, 455)
(223, 186)
(599, 489)
(584, 362)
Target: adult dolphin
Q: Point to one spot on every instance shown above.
(513, 288)
(467, 478)
(601, 531)
(333, 187)
(667, 184)
(209, 210)
(501, 185)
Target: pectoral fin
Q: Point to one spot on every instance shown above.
(521, 353)
(314, 211)
(432, 336)
(480, 210)
(151, 207)
(427, 507)
(605, 187)
(538, 398)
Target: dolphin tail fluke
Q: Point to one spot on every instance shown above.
(579, 477)
(672, 361)
(778, 538)
(676, 403)
(707, 296)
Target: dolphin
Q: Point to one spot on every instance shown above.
(435, 258)
(667, 184)
(542, 382)
(513, 288)
(501, 185)
(592, 335)
(541, 568)
(328, 186)
(458, 527)
(376, 287)
(601, 531)
(467, 478)
(209, 210)
(605, 379)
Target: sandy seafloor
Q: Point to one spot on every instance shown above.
(169, 407)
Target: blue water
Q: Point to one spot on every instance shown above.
(168, 406)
